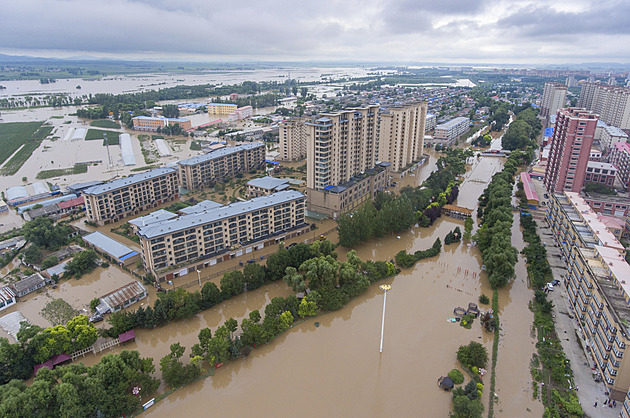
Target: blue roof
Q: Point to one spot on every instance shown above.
(548, 132)
(329, 187)
(272, 162)
(131, 254)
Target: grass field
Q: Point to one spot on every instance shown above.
(58, 172)
(112, 136)
(146, 167)
(105, 123)
(13, 135)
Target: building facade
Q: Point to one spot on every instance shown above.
(147, 123)
(601, 173)
(611, 103)
(608, 204)
(608, 135)
(430, 122)
(452, 129)
(222, 109)
(266, 185)
(620, 158)
(128, 196)
(401, 135)
(201, 238)
(554, 98)
(570, 150)
(292, 140)
(204, 170)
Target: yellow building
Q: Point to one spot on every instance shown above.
(204, 170)
(222, 109)
(217, 234)
(292, 140)
(128, 196)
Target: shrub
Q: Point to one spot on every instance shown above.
(484, 300)
(473, 355)
(456, 376)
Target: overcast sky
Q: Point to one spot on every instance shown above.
(492, 31)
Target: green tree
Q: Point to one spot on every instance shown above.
(307, 308)
(32, 254)
(174, 372)
(232, 284)
(253, 276)
(170, 111)
(473, 355)
(82, 263)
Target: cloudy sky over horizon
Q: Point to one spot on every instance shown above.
(493, 31)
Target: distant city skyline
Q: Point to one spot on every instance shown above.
(465, 32)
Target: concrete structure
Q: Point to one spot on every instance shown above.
(148, 123)
(266, 186)
(611, 103)
(223, 109)
(241, 113)
(116, 251)
(128, 196)
(607, 204)
(202, 238)
(292, 140)
(7, 298)
(452, 129)
(122, 298)
(349, 195)
(570, 149)
(204, 170)
(430, 122)
(401, 135)
(601, 173)
(608, 135)
(620, 158)
(28, 285)
(554, 98)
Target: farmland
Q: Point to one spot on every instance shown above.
(112, 136)
(14, 135)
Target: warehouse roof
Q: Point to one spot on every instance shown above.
(121, 295)
(107, 244)
(220, 153)
(227, 211)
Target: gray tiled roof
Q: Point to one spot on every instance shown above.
(220, 153)
(267, 183)
(153, 217)
(128, 181)
(234, 209)
(202, 206)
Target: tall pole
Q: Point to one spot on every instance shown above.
(384, 288)
(199, 276)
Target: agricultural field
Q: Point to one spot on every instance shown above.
(105, 123)
(58, 172)
(112, 136)
(14, 135)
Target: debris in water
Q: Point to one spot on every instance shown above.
(317, 324)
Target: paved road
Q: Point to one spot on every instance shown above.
(568, 329)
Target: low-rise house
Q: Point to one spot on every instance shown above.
(266, 186)
(116, 251)
(28, 285)
(7, 297)
(122, 297)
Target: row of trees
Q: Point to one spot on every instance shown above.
(36, 345)
(420, 205)
(495, 234)
(523, 131)
(405, 260)
(180, 304)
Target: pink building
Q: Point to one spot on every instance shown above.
(570, 150)
(620, 157)
(602, 173)
(607, 204)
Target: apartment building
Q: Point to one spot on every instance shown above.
(611, 103)
(401, 135)
(608, 204)
(620, 157)
(266, 185)
(430, 122)
(206, 238)
(147, 123)
(601, 173)
(128, 196)
(340, 145)
(607, 135)
(222, 109)
(554, 98)
(292, 140)
(204, 170)
(570, 150)
(452, 129)
(241, 113)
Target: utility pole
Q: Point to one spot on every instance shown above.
(109, 158)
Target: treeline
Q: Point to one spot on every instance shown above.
(405, 260)
(36, 345)
(523, 131)
(261, 100)
(331, 285)
(420, 205)
(105, 389)
(180, 304)
(494, 237)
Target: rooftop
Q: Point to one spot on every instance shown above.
(128, 181)
(153, 217)
(121, 295)
(220, 153)
(530, 193)
(227, 211)
(107, 244)
(28, 282)
(268, 183)
(453, 122)
(77, 201)
(202, 206)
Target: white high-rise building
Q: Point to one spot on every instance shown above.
(554, 98)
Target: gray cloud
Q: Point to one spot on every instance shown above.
(396, 30)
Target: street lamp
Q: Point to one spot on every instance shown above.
(199, 276)
(385, 288)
